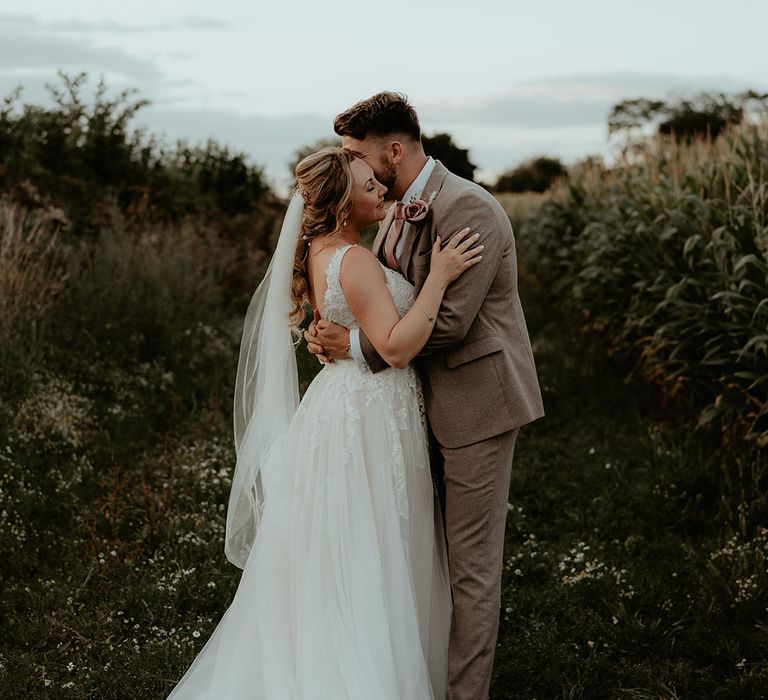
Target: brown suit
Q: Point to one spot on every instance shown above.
(480, 386)
(478, 364)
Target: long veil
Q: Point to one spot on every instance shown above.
(266, 387)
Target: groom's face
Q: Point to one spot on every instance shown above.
(374, 152)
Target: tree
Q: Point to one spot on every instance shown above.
(535, 175)
(441, 147)
(705, 115)
(85, 157)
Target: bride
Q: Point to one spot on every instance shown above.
(332, 515)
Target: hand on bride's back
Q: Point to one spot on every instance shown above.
(450, 261)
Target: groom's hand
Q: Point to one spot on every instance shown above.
(313, 342)
(333, 338)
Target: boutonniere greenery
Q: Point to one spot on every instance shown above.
(417, 209)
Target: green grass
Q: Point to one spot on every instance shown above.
(630, 569)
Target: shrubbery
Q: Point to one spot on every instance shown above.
(668, 255)
(87, 159)
(536, 175)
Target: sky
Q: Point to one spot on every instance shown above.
(508, 80)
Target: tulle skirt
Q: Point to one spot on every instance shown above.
(345, 594)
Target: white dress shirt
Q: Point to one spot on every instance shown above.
(415, 191)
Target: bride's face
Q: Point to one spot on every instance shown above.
(368, 199)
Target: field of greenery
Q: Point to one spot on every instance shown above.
(667, 256)
(637, 550)
(638, 540)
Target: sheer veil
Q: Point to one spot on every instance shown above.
(266, 388)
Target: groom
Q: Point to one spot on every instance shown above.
(477, 369)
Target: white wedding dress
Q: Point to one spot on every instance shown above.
(345, 594)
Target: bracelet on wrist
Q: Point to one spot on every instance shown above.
(431, 319)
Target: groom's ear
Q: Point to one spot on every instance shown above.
(395, 152)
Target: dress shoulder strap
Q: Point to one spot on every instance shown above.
(333, 270)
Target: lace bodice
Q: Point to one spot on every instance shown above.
(397, 390)
(335, 306)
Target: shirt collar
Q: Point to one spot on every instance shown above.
(418, 185)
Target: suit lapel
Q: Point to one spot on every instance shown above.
(434, 183)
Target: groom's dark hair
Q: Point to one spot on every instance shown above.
(384, 114)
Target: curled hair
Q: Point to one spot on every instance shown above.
(384, 114)
(326, 184)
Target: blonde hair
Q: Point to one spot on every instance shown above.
(326, 184)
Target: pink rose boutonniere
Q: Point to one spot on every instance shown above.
(417, 209)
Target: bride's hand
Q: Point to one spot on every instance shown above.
(313, 341)
(448, 263)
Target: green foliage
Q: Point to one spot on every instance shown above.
(115, 459)
(113, 523)
(635, 550)
(536, 175)
(705, 115)
(86, 159)
(32, 275)
(119, 351)
(669, 258)
(441, 147)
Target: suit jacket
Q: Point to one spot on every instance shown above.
(477, 368)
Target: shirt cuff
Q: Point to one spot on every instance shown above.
(356, 350)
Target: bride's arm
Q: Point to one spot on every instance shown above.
(398, 340)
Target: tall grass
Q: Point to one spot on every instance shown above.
(32, 275)
(667, 255)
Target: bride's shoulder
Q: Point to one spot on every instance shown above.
(359, 255)
(359, 266)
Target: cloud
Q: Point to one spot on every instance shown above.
(29, 22)
(49, 52)
(28, 46)
(194, 23)
(565, 101)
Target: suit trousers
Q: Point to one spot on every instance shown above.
(473, 486)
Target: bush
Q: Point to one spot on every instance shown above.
(441, 147)
(87, 160)
(537, 175)
(668, 256)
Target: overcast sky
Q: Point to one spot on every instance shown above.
(508, 80)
